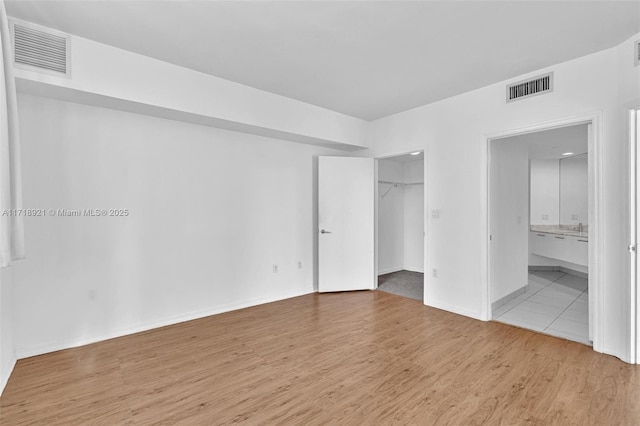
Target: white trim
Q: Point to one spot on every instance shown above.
(485, 202)
(634, 162)
(454, 309)
(5, 379)
(53, 346)
(595, 217)
(390, 270)
(376, 196)
(425, 225)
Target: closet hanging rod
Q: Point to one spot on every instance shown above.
(399, 183)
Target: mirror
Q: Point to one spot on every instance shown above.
(574, 188)
(559, 191)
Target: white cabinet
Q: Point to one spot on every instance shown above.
(566, 248)
(580, 251)
(542, 244)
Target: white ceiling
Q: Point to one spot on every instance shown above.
(406, 157)
(551, 144)
(367, 59)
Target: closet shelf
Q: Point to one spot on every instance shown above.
(397, 185)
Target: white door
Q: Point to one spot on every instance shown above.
(346, 224)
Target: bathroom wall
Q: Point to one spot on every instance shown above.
(545, 195)
(574, 189)
(509, 207)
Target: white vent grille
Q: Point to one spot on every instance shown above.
(40, 49)
(636, 48)
(528, 88)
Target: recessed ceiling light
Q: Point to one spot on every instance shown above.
(415, 153)
(567, 153)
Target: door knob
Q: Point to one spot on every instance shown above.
(324, 232)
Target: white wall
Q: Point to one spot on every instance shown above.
(509, 209)
(7, 337)
(545, 195)
(390, 218)
(400, 217)
(413, 171)
(210, 212)
(453, 133)
(574, 190)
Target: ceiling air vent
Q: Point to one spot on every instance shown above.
(532, 87)
(40, 49)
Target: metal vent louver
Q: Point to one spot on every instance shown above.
(40, 49)
(531, 87)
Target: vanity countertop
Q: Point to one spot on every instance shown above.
(567, 230)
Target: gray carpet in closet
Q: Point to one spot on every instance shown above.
(403, 283)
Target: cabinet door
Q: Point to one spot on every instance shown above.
(580, 250)
(561, 248)
(541, 244)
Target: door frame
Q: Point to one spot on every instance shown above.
(633, 115)
(424, 214)
(595, 216)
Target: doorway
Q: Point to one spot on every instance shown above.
(541, 229)
(400, 219)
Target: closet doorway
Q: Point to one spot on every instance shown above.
(400, 219)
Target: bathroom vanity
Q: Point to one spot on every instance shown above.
(559, 213)
(564, 244)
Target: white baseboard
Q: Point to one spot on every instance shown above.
(455, 309)
(4, 379)
(509, 297)
(401, 268)
(26, 352)
(389, 270)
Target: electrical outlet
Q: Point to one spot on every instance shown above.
(545, 217)
(275, 268)
(435, 214)
(434, 273)
(299, 265)
(574, 217)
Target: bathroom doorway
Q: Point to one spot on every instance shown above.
(400, 218)
(540, 186)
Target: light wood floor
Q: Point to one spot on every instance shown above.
(359, 358)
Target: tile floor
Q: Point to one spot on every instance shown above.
(555, 303)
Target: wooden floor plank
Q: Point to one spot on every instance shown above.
(348, 358)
